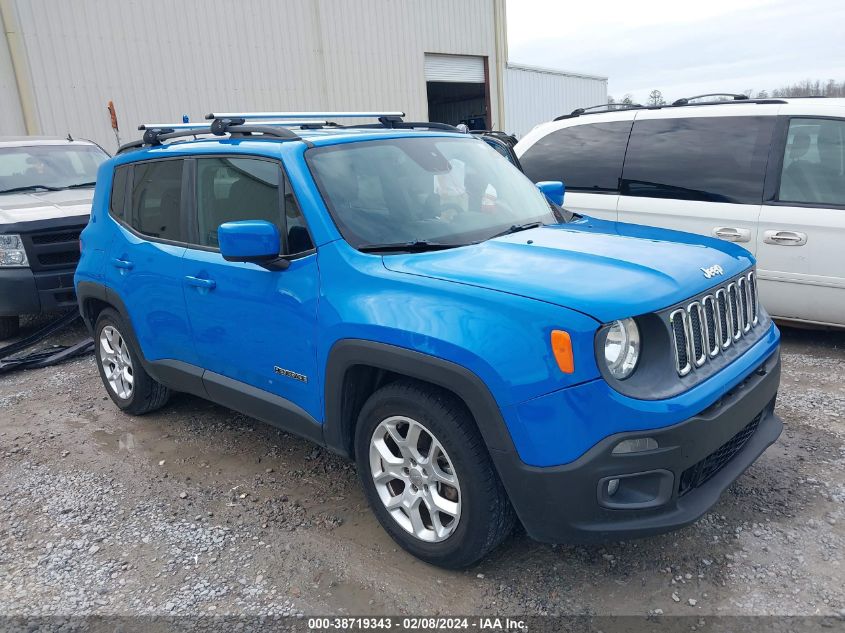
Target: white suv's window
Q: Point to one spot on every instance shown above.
(814, 162)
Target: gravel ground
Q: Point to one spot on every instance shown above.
(196, 509)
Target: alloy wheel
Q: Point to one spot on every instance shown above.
(415, 479)
(116, 362)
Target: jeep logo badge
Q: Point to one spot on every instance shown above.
(713, 271)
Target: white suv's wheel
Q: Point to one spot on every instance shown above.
(428, 477)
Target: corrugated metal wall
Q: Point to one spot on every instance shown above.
(11, 115)
(536, 95)
(158, 59)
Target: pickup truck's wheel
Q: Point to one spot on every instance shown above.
(130, 387)
(9, 327)
(428, 476)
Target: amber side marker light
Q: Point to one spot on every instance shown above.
(562, 348)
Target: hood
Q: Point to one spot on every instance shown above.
(607, 270)
(44, 205)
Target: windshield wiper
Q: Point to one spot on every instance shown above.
(516, 228)
(80, 185)
(416, 246)
(31, 188)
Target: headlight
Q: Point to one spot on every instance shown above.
(11, 251)
(622, 348)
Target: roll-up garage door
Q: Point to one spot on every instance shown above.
(454, 68)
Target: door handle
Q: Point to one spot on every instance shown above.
(197, 282)
(731, 234)
(785, 238)
(122, 263)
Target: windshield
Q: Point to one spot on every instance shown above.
(424, 190)
(49, 166)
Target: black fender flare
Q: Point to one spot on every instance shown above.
(175, 374)
(465, 384)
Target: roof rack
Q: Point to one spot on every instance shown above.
(272, 124)
(303, 115)
(204, 124)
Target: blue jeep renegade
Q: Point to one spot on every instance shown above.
(402, 295)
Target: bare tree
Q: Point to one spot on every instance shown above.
(655, 98)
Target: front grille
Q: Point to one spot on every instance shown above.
(55, 238)
(678, 321)
(708, 326)
(53, 250)
(699, 473)
(55, 259)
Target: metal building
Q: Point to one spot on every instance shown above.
(535, 95)
(62, 62)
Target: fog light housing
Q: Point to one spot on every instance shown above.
(612, 487)
(636, 491)
(636, 445)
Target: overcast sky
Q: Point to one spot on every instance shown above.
(682, 48)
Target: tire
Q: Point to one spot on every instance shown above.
(9, 327)
(478, 515)
(129, 386)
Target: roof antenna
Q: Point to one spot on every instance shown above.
(69, 137)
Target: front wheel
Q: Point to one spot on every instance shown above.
(428, 477)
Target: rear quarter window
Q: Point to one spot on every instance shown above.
(117, 199)
(712, 159)
(585, 157)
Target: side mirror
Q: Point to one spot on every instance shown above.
(553, 190)
(255, 241)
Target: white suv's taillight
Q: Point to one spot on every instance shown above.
(11, 251)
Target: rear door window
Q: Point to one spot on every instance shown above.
(156, 209)
(585, 157)
(712, 159)
(814, 163)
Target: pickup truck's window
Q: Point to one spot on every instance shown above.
(54, 167)
(424, 189)
(157, 199)
(585, 157)
(714, 159)
(814, 162)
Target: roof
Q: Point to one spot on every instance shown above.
(553, 71)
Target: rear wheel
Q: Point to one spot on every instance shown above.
(129, 386)
(428, 476)
(9, 327)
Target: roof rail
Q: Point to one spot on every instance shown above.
(602, 107)
(302, 115)
(734, 96)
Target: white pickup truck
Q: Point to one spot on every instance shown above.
(46, 188)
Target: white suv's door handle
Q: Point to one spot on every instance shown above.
(785, 238)
(732, 234)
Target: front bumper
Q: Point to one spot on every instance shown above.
(23, 291)
(659, 490)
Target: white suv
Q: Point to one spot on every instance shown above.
(46, 188)
(768, 174)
